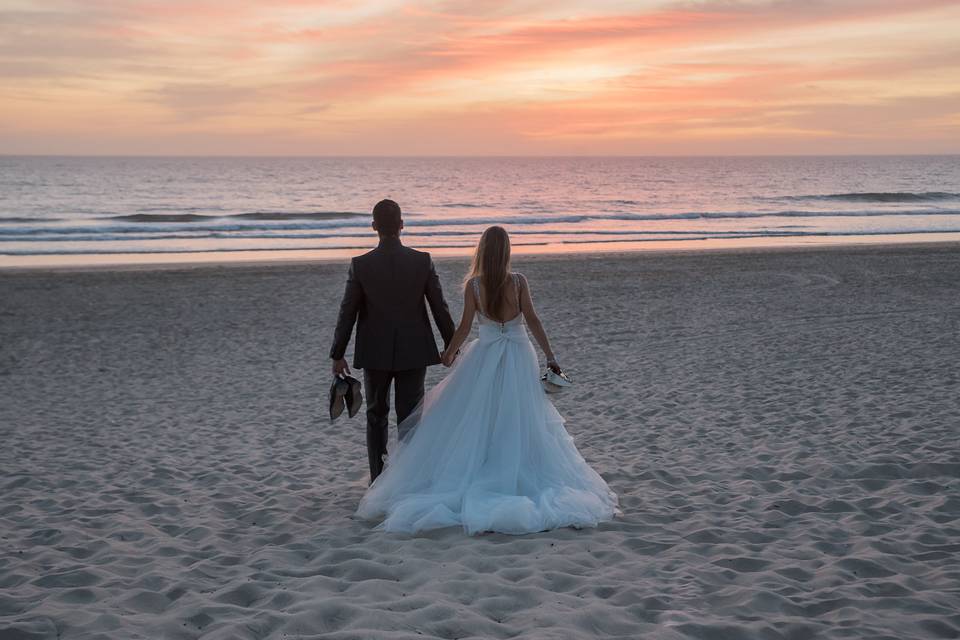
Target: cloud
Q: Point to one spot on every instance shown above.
(201, 100)
(535, 76)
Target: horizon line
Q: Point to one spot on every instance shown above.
(462, 156)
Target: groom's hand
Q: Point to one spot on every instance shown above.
(447, 358)
(341, 366)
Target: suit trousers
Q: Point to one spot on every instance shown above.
(408, 392)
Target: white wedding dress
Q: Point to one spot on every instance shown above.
(488, 451)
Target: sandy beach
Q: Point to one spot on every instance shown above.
(782, 428)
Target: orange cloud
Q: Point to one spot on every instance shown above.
(298, 76)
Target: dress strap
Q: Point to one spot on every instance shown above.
(476, 289)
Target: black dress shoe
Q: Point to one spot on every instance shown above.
(354, 396)
(339, 389)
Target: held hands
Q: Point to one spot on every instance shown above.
(341, 366)
(448, 357)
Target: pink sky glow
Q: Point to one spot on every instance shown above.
(301, 77)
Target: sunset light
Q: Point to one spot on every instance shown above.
(501, 319)
(296, 77)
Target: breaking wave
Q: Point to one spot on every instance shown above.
(871, 196)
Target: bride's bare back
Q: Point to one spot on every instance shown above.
(518, 303)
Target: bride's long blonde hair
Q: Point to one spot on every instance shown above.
(491, 263)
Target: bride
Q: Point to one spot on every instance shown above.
(486, 450)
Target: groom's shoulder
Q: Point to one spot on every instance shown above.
(357, 261)
(416, 256)
(423, 255)
(408, 253)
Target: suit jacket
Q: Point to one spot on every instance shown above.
(384, 297)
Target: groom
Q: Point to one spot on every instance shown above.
(395, 343)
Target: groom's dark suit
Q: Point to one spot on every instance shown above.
(395, 343)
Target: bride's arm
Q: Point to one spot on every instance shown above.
(533, 322)
(466, 322)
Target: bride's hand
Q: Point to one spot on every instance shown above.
(447, 358)
(553, 366)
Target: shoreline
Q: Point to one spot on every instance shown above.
(153, 261)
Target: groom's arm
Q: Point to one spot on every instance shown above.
(438, 306)
(349, 307)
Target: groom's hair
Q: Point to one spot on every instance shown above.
(386, 217)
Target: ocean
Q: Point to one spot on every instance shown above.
(134, 208)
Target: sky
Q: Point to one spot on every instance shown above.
(478, 77)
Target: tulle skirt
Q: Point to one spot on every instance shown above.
(487, 451)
